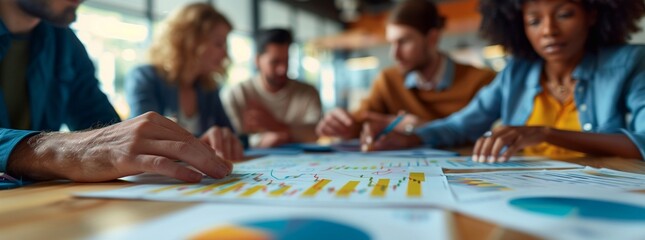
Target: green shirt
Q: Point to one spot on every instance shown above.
(13, 82)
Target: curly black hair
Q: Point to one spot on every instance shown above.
(503, 24)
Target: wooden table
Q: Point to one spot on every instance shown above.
(48, 211)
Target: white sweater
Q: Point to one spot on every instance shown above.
(297, 105)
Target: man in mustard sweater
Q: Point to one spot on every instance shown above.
(425, 84)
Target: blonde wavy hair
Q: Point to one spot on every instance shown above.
(176, 49)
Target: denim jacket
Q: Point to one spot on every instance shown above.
(62, 87)
(147, 91)
(609, 96)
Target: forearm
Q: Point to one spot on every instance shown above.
(594, 143)
(148, 143)
(49, 156)
(33, 158)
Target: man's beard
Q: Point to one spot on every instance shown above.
(276, 82)
(40, 9)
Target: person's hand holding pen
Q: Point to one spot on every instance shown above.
(386, 138)
(338, 123)
(379, 120)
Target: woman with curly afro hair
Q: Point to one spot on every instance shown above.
(573, 86)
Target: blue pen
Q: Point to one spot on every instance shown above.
(389, 127)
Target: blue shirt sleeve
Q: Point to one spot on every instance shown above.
(9, 138)
(469, 123)
(636, 105)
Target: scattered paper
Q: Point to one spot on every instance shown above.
(575, 213)
(210, 221)
(369, 162)
(476, 186)
(305, 181)
(457, 163)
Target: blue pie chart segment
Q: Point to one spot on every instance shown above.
(580, 208)
(304, 228)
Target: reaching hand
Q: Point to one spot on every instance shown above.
(500, 144)
(148, 143)
(338, 123)
(391, 141)
(256, 119)
(224, 142)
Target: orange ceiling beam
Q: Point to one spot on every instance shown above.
(369, 29)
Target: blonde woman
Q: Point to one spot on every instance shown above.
(179, 80)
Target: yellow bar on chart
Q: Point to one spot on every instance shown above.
(280, 191)
(347, 189)
(418, 176)
(313, 190)
(380, 188)
(249, 192)
(163, 189)
(231, 188)
(210, 187)
(414, 184)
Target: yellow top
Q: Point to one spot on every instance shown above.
(548, 111)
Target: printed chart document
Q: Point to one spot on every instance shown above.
(457, 163)
(473, 186)
(415, 153)
(364, 162)
(217, 221)
(274, 180)
(574, 213)
(337, 162)
(354, 146)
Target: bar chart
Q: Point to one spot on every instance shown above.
(395, 186)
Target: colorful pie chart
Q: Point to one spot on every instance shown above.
(284, 229)
(580, 208)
